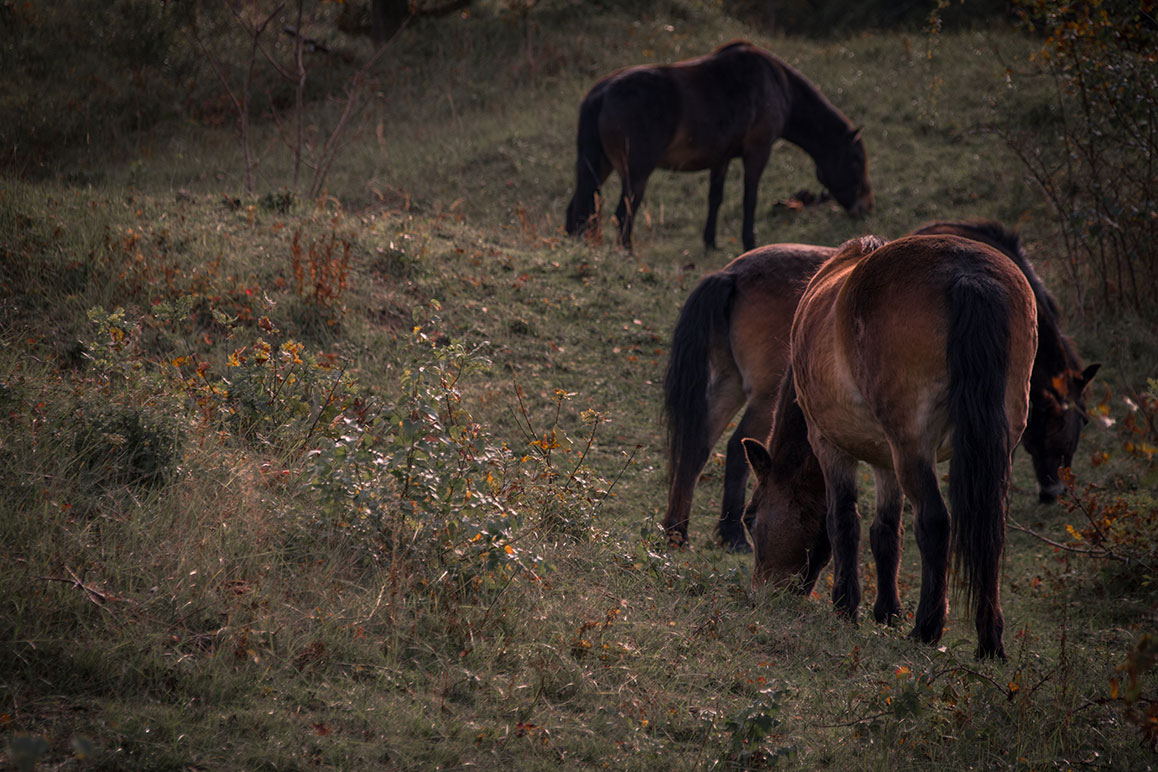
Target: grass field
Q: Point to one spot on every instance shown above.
(373, 481)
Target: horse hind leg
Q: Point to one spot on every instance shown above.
(725, 395)
(755, 159)
(885, 540)
(683, 483)
(843, 525)
(630, 200)
(918, 479)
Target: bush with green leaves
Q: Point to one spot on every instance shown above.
(1091, 148)
(420, 480)
(128, 425)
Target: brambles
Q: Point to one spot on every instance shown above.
(1118, 523)
(1141, 706)
(753, 733)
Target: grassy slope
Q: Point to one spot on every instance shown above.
(231, 635)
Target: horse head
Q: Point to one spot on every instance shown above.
(783, 536)
(844, 172)
(787, 508)
(1057, 416)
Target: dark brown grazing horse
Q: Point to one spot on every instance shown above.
(1057, 405)
(905, 354)
(730, 349)
(699, 114)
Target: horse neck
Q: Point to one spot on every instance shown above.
(1055, 355)
(814, 125)
(792, 455)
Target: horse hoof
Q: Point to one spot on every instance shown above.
(987, 653)
(925, 636)
(888, 616)
(738, 547)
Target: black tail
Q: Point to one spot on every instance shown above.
(978, 359)
(591, 166)
(703, 325)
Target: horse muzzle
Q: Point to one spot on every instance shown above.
(862, 206)
(1048, 494)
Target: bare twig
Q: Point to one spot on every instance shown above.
(96, 596)
(322, 409)
(1099, 553)
(240, 103)
(353, 93)
(627, 463)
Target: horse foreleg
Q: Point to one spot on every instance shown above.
(755, 159)
(843, 525)
(885, 539)
(918, 479)
(715, 198)
(754, 423)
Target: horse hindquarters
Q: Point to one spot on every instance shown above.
(702, 391)
(591, 167)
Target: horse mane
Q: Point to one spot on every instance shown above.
(818, 123)
(737, 43)
(860, 246)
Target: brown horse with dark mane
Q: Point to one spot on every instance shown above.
(730, 349)
(700, 114)
(905, 354)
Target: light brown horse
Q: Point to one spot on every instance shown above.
(905, 354)
(700, 114)
(730, 349)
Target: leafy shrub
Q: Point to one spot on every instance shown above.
(1140, 706)
(1118, 523)
(128, 428)
(1086, 150)
(420, 480)
(320, 269)
(753, 734)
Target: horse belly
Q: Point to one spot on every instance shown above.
(858, 434)
(686, 155)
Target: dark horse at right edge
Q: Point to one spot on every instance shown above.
(700, 114)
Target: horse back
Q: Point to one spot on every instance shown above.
(735, 98)
(769, 281)
(639, 112)
(694, 114)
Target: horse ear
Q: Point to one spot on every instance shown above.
(856, 133)
(1089, 373)
(758, 458)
